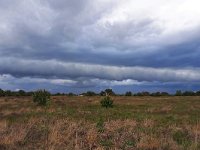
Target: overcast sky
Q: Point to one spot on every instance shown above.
(80, 45)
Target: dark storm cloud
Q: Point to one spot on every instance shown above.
(55, 69)
(114, 40)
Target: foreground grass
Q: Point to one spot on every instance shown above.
(141, 123)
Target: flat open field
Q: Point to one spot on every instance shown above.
(134, 123)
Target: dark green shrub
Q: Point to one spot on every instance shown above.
(41, 97)
(178, 93)
(89, 93)
(21, 93)
(129, 93)
(2, 93)
(106, 102)
(71, 94)
(188, 93)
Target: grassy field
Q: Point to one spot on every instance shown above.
(134, 123)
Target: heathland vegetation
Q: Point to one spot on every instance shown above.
(141, 121)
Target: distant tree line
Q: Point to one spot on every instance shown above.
(15, 93)
(106, 92)
(187, 93)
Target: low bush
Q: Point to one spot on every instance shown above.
(106, 102)
(41, 97)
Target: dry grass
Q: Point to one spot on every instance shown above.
(135, 123)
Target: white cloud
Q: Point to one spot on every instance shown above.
(139, 24)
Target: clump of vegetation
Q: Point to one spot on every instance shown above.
(100, 125)
(129, 93)
(107, 102)
(182, 138)
(42, 97)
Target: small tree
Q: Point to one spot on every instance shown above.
(198, 93)
(2, 93)
(21, 93)
(178, 93)
(106, 102)
(41, 97)
(109, 92)
(129, 93)
(102, 93)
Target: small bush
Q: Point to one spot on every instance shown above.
(129, 93)
(41, 97)
(106, 102)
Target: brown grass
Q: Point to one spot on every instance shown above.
(135, 123)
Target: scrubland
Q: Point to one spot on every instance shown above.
(80, 123)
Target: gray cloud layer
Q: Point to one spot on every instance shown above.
(110, 41)
(52, 68)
